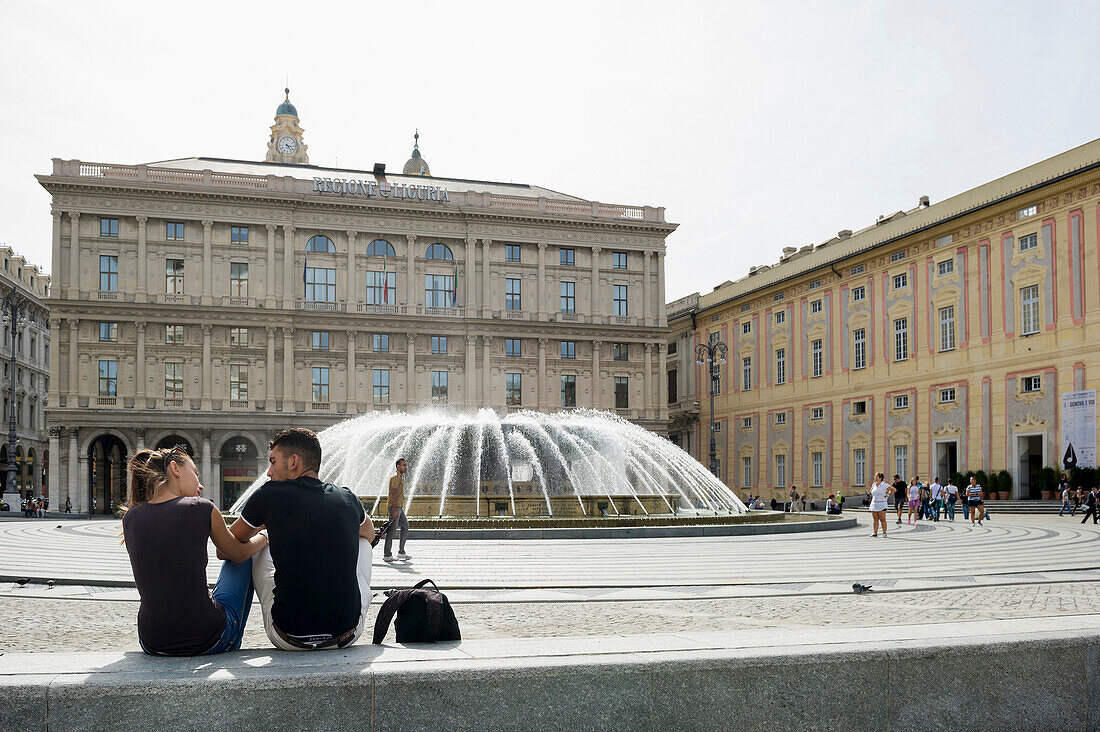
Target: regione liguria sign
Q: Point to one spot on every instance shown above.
(1079, 429)
(375, 189)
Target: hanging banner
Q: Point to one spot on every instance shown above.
(1079, 429)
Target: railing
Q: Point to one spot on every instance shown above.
(106, 401)
(377, 309)
(172, 402)
(449, 312)
(623, 320)
(322, 405)
(174, 299)
(514, 314)
(240, 301)
(107, 295)
(324, 306)
(571, 317)
(238, 404)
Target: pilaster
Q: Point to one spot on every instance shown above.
(142, 295)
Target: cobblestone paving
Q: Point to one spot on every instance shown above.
(97, 625)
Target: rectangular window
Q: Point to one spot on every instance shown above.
(901, 281)
(620, 351)
(380, 379)
(859, 294)
(746, 328)
(320, 284)
(859, 407)
(618, 300)
(618, 260)
(513, 387)
(108, 227)
(781, 366)
(944, 240)
(439, 291)
(816, 359)
(173, 334)
(781, 470)
(568, 390)
(947, 395)
(1023, 213)
(781, 317)
(672, 348)
(817, 413)
(238, 279)
(238, 381)
(901, 401)
(1029, 242)
(238, 234)
(946, 267)
(859, 348)
(901, 339)
(108, 273)
(173, 276)
(380, 343)
(815, 307)
(108, 332)
(859, 466)
(238, 337)
(897, 256)
(568, 349)
(818, 461)
(439, 345)
(814, 285)
(513, 347)
(173, 381)
(673, 391)
(746, 373)
(320, 384)
(716, 384)
(108, 378)
(622, 392)
(746, 307)
(777, 297)
(512, 300)
(858, 269)
(173, 230)
(320, 340)
(568, 257)
(381, 288)
(746, 472)
(1032, 383)
(511, 252)
(746, 423)
(947, 328)
(568, 297)
(1029, 309)
(901, 460)
(781, 418)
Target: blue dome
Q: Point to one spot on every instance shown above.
(286, 107)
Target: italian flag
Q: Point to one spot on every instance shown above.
(385, 283)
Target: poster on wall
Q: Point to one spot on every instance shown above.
(1079, 429)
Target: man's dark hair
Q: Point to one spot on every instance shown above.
(301, 442)
(399, 461)
(897, 477)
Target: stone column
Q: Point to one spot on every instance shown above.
(410, 371)
(74, 375)
(204, 465)
(542, 367)
(660, 400)
(72, 490)
(207, 262)
(646, 276)
(55, 259)
(140, 442)
(411, 298)
(82, 486)
(596, 380)
(270, 405)
(288, 370)
(351, 405)
(596, 316)
(662, 316)
(543, 315)
(54, 470)
(647, 377)
(288, 267)
(207, 369)
(140, 387)
(486, 294)
(142, 294)
(469, 382)
(270, 279)
(215, 488)
(469, 300)
(73, 292)
(352, 285)
(486, 371)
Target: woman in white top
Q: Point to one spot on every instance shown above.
(880, 493)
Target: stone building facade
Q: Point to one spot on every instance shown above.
(212, 302)
(938, 340)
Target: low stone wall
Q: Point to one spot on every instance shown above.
(1005, 680)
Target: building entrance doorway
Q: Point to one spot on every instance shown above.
(1029, 466)
(240, 468)
(106, 474)
(947, 460)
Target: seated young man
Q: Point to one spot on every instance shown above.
(313, 578)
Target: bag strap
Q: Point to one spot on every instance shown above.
(421, 583)
(385, 615)
(435, 615)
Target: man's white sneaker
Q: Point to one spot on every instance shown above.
(387, 558)
(403, 555)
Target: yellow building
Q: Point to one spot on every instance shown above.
(941, 339)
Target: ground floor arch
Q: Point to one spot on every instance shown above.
(239, 459)
(107, 457)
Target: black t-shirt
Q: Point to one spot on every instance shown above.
(901, 493)
(313, 532)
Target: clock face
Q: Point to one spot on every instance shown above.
(287, 146)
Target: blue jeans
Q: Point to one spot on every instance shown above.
(1066, 507)
(234, 593)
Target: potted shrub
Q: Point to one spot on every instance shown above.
(1004, 483)
(992, 487)
(1049, 483)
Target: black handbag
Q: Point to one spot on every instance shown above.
(423, 616)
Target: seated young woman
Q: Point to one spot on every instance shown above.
(165, 528)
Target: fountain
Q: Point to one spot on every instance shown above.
(581, 464)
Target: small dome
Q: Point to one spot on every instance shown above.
(286, 107)
(416, 165)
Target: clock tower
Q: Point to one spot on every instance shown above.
(286, 145)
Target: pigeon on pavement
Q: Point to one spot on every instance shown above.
(860, 589)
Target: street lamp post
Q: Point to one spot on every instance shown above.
(713, 356)
(14, 306)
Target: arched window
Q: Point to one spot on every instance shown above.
(380, 248)
(320, 243)
(438, 251)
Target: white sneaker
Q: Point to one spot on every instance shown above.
(403, 555)
(387, 558)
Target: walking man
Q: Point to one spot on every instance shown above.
(1065, 499)
(901, 496)
(1091, 501)
(936, 491)
(396, 503)
(68, 505)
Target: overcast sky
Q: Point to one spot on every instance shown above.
(758, 125)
